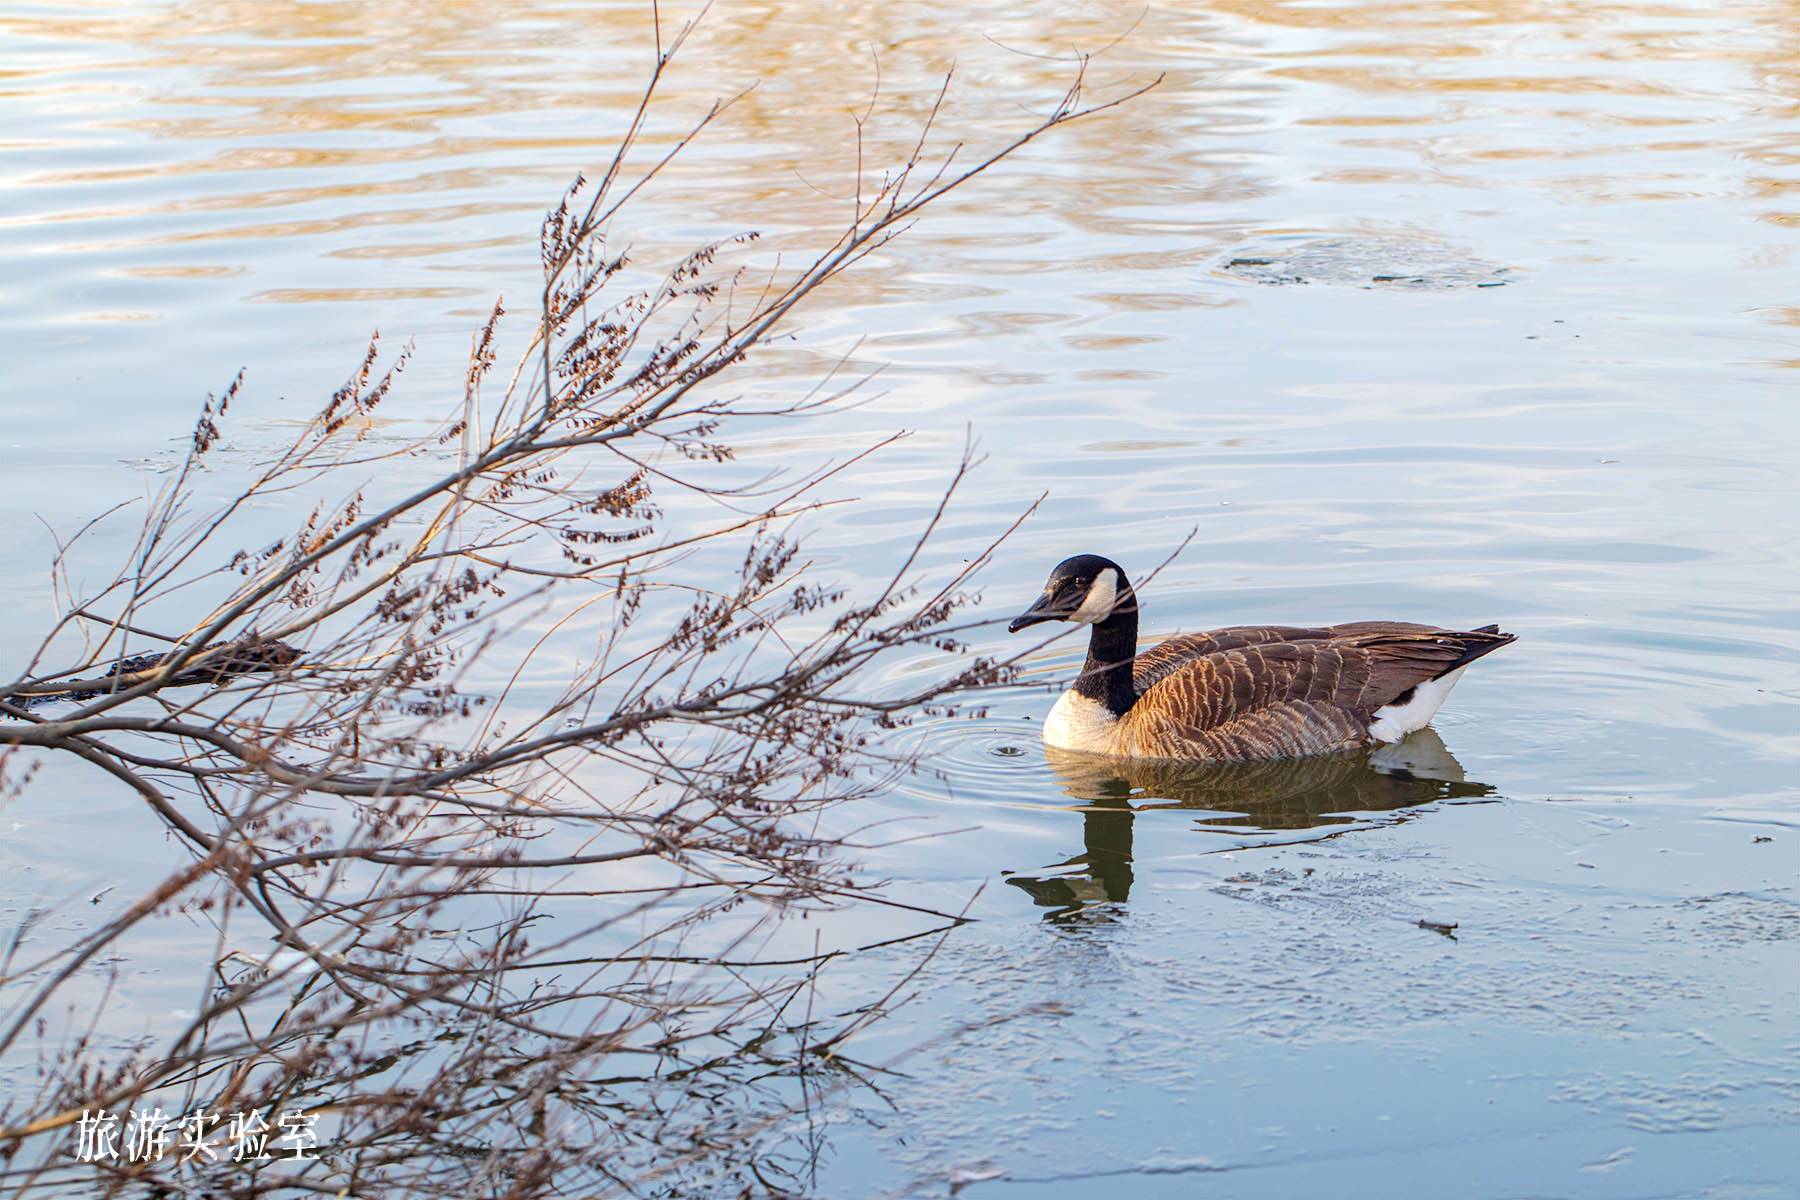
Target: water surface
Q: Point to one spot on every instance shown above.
(1250, 305)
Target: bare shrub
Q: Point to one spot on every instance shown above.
(383, 801)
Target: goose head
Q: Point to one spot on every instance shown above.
(1086, 589)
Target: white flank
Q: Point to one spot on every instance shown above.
(1098, 604)
(1394, 721)
(1077, 723)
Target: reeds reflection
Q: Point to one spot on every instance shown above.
(1294, 795)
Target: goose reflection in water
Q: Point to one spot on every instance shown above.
(1292, 795)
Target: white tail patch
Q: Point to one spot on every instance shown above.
(1097, 605)
(1078, 723)
(1394, 721)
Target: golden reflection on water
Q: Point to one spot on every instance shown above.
(354, 112)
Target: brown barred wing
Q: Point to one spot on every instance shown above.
(1278, 699)
(1171, 653)
(1401, 657)
(1267, 699)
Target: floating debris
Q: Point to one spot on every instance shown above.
(1366, 262)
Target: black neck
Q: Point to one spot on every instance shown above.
(1112, 646)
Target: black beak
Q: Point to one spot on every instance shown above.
(1046, 609)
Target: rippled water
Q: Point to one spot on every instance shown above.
(1448, 312)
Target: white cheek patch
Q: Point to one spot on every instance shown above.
(1099, 603)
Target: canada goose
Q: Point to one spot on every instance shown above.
(1244, 694)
